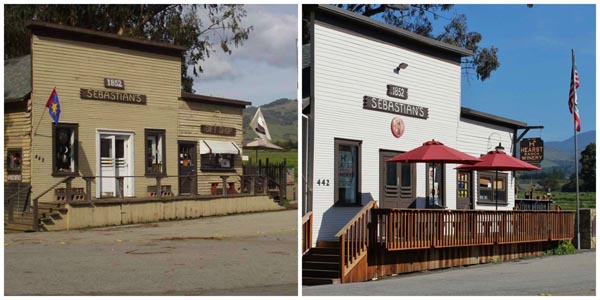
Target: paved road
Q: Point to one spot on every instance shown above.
(551, 275)
(250, 254)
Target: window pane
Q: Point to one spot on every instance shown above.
(485, 182)
(391, 176)
(347, 173)
(64, 151)
(154, 152)
(120, 151)
(406, 175)
(105, 148)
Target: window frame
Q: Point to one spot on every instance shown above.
(75, 145)
(10, 170)
(502, 176)
(150, 132)
(358, 145)
(441, 193)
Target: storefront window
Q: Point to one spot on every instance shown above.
(435, 186)
(217, 162)
(487, 187)
(347, 173)
(155, 152)
(64, 145)
(14, 160)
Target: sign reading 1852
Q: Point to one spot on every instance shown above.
(397, 91)
(114, 83)
(532, 150)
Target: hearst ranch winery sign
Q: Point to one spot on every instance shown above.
(218, 130)
(532, 150)
(393, 107)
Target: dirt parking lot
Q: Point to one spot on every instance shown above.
(250, 254)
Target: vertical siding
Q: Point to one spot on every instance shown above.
(69, 66)
(348, 67)
(17, 134)
(191, 115)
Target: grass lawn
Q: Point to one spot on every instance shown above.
(567, 201)
(275, 156)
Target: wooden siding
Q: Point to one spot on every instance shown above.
(191, 115)
(477, 138)
(346, 68)
(71, 65)
(17, 134)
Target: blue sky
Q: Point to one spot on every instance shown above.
(264, 68)
(532, 83)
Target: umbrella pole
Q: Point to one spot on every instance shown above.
(496, 189)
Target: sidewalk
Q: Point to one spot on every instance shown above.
(239, 254)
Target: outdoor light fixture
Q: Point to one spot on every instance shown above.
(401, 66)
(499, 147)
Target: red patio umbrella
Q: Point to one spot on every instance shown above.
(434, 152)
(498, 160)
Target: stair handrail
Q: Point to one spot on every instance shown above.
(307, 232)
(36, 201)
(354, 239)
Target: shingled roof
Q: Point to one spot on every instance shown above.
(17, 79)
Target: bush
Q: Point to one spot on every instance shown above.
(565, 247)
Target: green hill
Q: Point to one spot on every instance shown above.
(282, 119)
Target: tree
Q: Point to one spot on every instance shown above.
(415, 18)
(588, 168)
(587, 174)
(174, 23)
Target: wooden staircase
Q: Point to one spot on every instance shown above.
(50, 213)
(321, 265)
(22, 222)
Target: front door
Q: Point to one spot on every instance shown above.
(115, 161)
(396, 181)
(187, 168)
(464, 190)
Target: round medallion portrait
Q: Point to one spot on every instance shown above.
(397, 127)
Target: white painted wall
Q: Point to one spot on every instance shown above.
(346, 68)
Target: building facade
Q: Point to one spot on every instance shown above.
(373, 91)
(126, 130)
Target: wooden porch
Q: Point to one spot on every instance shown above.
(380, 242)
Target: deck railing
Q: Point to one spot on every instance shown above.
(307, 221)
(402, 229)
(354, 239)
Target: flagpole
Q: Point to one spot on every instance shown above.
(575, 157)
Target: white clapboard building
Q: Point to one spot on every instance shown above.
(372, 91)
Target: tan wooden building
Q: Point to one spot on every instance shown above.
(126, 130)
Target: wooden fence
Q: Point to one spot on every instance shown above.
(420, 229)
(354, 239)
(307, 221)
(276, 171)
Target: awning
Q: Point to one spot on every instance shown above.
(208, 147)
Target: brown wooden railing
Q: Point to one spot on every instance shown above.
(402, 229)
(354, 239)
(307, 221)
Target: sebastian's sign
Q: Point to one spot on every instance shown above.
(394, 107)
(532, 150)
(218, 130)
(112, 96)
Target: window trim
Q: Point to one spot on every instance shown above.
(358, 144)
(14, 170)
(442, 192)
(75, 127)
(147, 132)
(501, 176)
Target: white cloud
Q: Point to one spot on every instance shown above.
(272, 42)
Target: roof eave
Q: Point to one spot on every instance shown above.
(476, 115)
(214, 100)
(392, 29)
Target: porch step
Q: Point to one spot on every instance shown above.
(16, 227)
(321, 265)
(320, 273)
(319, 281)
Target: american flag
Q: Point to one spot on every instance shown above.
(573, 95)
